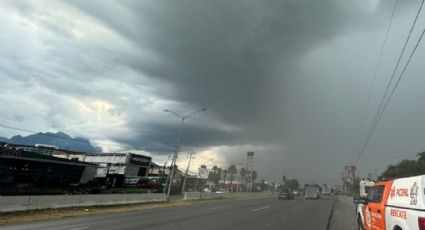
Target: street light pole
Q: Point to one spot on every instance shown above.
(173, 162)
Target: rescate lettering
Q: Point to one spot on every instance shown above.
(399, 213)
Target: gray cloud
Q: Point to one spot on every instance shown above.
(289, 76)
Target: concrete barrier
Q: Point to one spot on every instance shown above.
(211, 195)
(25, 203)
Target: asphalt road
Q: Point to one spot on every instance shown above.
(264, 213)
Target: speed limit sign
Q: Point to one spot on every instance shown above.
(203, 173)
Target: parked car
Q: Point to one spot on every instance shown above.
(150, 183)
(221, 191)
(312, 193)
(286, 194)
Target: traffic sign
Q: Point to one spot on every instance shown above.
(203, 172)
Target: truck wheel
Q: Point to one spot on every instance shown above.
(359, 224)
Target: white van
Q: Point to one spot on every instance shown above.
(312, 193)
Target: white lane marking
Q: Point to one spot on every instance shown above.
(79, 228)
(270, 224)
(258, 209)
(218, 207)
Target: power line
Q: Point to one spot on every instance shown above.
(381, 54)
(17, 129)
(401, 75)
(123, 148)
(385, 104)
(390, 82)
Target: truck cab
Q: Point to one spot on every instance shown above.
(394, 205)
(374, 209)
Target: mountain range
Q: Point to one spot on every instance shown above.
(59, 139)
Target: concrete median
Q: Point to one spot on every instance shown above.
(25, 203)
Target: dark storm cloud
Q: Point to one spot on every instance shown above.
(231, 56)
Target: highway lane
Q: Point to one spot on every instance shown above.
(264, 213)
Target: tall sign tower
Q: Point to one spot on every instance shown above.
(250, 168)
(348, 178)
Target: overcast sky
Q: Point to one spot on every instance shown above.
(287, 79)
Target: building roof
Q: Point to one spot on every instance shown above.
(19, 154)
(155, 165)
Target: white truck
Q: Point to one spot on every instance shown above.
(365, 186)
(393, 205)
(326, 191)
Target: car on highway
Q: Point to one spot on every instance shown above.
(312, 192)
(285, 194)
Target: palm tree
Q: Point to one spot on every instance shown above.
(218, 177)
(232, 171)
(225, 172)
(214, 168)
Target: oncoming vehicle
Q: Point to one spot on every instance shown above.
(285, 194)
(393, 205)
(312, 193)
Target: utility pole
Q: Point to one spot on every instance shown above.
(162, 177)
(187, 170)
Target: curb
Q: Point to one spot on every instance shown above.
(331, 214)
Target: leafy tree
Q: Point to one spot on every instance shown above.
(292, 184)
(404, 168)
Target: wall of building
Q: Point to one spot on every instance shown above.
(118, 158)
(74, 156)
(88, 174)
(132, 171)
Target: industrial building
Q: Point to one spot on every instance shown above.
(115, 169)
(25, 168)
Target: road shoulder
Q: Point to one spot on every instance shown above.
(343, 215)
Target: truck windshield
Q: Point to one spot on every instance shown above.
(375, 193)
